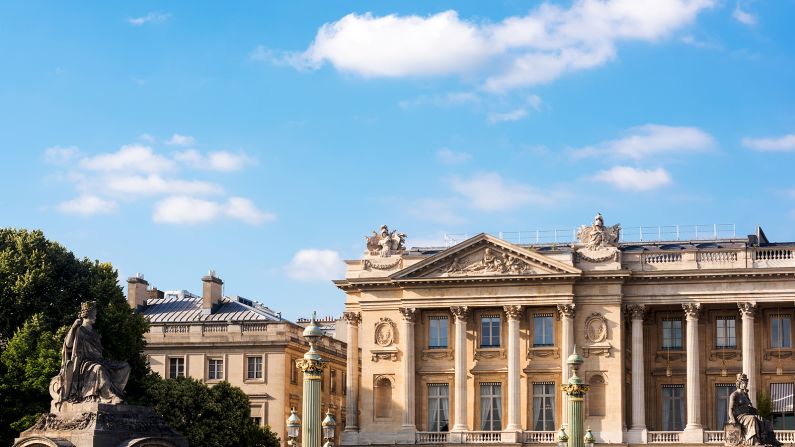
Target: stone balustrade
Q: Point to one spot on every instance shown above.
(538, 437)
(482, 437)
(664, 437)
(431, 437)
(713, 436)
(705, 259)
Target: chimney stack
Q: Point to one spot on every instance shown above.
(136, 291)
(211, 292)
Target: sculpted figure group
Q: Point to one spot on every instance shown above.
(754, 429)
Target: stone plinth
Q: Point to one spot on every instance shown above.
(92, 424)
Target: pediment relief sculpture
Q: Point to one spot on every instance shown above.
(488, 262)
(385, 243)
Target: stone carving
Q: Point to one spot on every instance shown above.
(383, 355)
(598, 235)
(489, 262)
(636, 311)
(385, 332)
(566, 310)
(352, 318)
(754, 429)
(368, 264)
(408, 313)
(747, 309)
(85, 376)
(513, 312)
(51, 421)
(385, 243)
(596, 328)
(611, 255)
(692, 310)
(460, 312)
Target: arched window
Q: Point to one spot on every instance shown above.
(383, 398)
(596, 396)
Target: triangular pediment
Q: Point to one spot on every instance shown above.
(485, 256)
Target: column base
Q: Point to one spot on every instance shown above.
(693, 434)
(512, 428)
(455, 437)
(349, 437)
(637, 435)
(510, 436)
(406, 435)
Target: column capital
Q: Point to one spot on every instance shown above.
(747, 309)
(460, 312)
(409, 313)
(636, 311)
(566, 310)
(513, 312)
(692, 310)
(352, 318)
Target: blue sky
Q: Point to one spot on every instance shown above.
(266, 139)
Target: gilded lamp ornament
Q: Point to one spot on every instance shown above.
(576, 390)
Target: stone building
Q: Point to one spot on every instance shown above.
(468, 344)
(214, 338)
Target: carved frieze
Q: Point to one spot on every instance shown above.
(487, 262)
(394, 264)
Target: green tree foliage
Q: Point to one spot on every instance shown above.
(764, 406)
(41, 287)
(208, 417)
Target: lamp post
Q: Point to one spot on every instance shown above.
(329, 424)
(589, 439)
(576, 390)
(312, 366)
(563, 438)
(293, 427)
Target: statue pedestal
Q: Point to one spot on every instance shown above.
(92, 424)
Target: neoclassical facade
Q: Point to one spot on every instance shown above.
(469, 344)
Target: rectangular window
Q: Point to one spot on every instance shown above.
(780, 331)
(257, 421)
(254, 367)
(673, 402)
(437, 333)
(333, 380)
(438, 407)
(781, 406)
(176, 367)
(490, 406)
(544, 406)
(215, 369)
(542, 330)
(672, 333)
(722, 393)
(293, 371)
(490, 331)
(726, 336)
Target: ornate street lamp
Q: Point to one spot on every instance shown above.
(563, 438)
(329, 424)
(576, 390)
(312, 366)
(293, 427)
(589, 439)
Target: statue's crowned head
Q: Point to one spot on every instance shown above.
(87, 308)
(741, 377)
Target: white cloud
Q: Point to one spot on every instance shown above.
(633, 179)
(650, 140)
(180, 140)
(744, 17)
(312, 264)
(185, 210)
(216, 161)
(518, 51)
(783, 143)
(451, 157)
(513, 115)
(154, 184)
(535, 102)
(130, 158)
(147, 138)
(60, 154)
(87, 205)
(490, 192)
(152, 17)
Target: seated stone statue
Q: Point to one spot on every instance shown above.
(755, 430)
(85, 376)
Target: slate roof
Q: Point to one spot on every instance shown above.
(188, 309)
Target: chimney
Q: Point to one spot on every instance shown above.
(154, 293)
(136, 291)
(211, 292)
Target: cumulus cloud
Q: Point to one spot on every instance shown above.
(490, 192)
(744, 17)
(450, 157)
(537, 48)
(154, 184)
(633, 179)
(216, 161)
(650, 140)
(190, 210)
(152, 17)
(60, 154)
(181, 140)
(313, 264)
(130, 158)
(87, 205)
(783, 143)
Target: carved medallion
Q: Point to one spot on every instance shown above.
(596, 328)
(385, 332)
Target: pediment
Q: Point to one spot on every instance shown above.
(485, 256)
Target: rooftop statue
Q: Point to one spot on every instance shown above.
(385, 243)
(85, 376)
(754, 429)
(597, 235)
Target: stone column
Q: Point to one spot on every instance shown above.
(747, 312)
(408, 371)
(352, 320)
(460, 314)
(694, 432)
(638, 428)
(566, 345)
(514, 314)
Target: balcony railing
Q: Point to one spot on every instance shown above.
(664, 437)
(482, 437)
(785, 436)
(538, 437)
(713, 436)
(431, 437)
